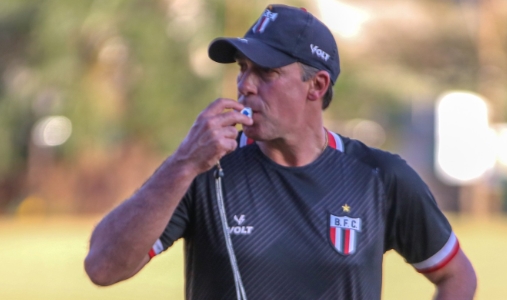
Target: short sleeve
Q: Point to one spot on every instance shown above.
(415, 226)
(178, 225)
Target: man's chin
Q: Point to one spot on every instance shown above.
(253, 133)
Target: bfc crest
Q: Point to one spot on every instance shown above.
(344, 232)
(263, 21)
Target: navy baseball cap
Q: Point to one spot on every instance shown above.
(281, 36)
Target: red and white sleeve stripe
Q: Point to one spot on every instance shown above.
(156, 249)
(441, 258)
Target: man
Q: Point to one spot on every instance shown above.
(308, 213)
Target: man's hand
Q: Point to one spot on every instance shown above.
(213, 135)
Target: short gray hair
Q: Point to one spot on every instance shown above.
(308, 73)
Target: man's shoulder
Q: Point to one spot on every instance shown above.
(373, 157)
(393, 170)
(391, 167)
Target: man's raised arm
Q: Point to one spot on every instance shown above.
(120, 243)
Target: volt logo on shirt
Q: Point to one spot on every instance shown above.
(343, 232)
(240, 229)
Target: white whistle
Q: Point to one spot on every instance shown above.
(247, 111)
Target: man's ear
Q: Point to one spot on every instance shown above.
(318, 85)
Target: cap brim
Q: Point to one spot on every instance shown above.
(223, 50)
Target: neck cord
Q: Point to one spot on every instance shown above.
(326, 141)
(219, 173)
(240, 290)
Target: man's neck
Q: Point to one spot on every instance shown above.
(298, 149)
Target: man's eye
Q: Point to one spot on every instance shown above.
(268, 73)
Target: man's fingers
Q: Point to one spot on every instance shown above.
(219, 105)
(213, 134)
(223, 135)
(229, 145)
(233, 118)
(230, 132)
(218, 139)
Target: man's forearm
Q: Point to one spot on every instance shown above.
(122, 240)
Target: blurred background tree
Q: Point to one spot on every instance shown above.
(94, 94)
(123, 72)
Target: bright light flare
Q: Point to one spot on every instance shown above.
(52, 131)
(465, 144)
(502, 145)
(201, 64)
(346, 20)
(369, 132)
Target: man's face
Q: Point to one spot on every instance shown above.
(277, 98)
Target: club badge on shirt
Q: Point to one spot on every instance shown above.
(344, 232)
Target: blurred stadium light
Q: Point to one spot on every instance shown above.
(369, 132)
(465, 144)
(501, 131)
(201, 65)
(51, 131)
(344, 19)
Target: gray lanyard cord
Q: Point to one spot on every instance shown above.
(240, 290)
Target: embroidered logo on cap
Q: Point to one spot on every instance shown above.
(319, 52)
(263, 21)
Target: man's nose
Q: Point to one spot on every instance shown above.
(247, 83)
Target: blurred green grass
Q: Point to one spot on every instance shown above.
(42, 258)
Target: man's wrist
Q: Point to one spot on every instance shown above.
(180, 167)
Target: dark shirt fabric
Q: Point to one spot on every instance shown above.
(312, 232)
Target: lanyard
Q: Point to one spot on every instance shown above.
(240, 290)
